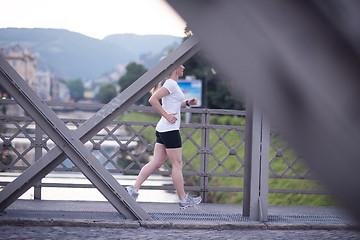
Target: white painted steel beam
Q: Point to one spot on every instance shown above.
(72, 142)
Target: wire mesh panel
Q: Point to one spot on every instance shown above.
(226, 151)
(192, 150)
(226, 147)
(285, 162)
(17, 143)
(213, 143)
(292, 182)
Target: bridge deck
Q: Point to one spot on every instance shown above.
(168, 215)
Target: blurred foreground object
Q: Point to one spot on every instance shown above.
(299, 60)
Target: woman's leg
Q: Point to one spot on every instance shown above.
(158, 160)
(175, 157)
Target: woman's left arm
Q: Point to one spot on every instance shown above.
(191, 102)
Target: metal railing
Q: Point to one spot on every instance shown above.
(213, 150)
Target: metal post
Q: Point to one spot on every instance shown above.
(205, 137)
(264, 168)
(256, 175)
(255, 164)
(38, 155)
(247, 158)
(203, 156)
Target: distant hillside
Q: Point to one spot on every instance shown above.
(75, 55)
(143, 44)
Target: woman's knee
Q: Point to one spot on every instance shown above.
(175, 156)
(177, 164)
(159, 165)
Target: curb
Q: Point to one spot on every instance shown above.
(129, 224)
(70, 223)
(311, 226)
(202, 225)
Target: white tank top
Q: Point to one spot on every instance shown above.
(171, 103)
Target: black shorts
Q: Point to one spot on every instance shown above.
(170, 139)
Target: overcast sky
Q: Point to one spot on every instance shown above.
(94, 18)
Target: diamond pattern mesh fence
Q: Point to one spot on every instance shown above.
(213, 152)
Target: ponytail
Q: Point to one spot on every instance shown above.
(157, 86)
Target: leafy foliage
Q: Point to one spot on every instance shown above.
(216, 92)
(133, 72)
(77, 89)
(106, 93)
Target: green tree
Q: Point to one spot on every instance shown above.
(106, 93)
(77, 89)
(217, 93)
(133, 72)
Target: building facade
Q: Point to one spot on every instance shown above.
(23, 61)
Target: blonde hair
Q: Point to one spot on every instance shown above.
(157, 86)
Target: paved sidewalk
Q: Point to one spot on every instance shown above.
(168, 215)
(97, 233)
(34, 219)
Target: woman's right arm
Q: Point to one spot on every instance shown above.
(155, 102)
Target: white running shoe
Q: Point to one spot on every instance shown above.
(189, 202)
(132, 191)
